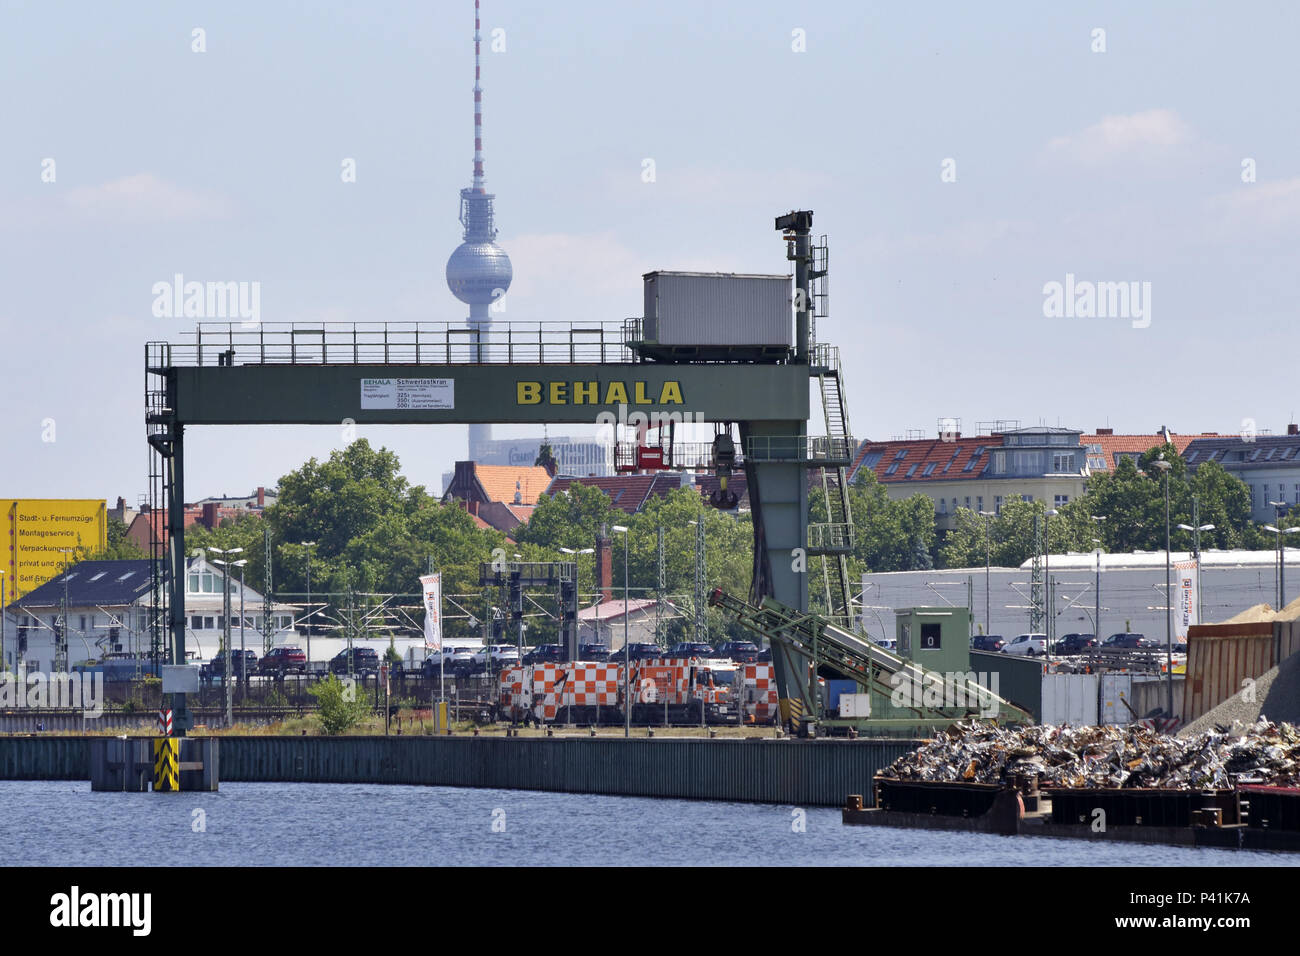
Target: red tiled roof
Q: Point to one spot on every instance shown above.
(1113, 445)
(949, 458)
(501, 482)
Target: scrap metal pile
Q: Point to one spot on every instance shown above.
(1106, 757)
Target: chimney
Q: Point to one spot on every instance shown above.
(604, 567)
(1293, 429)
(1105, 431)
(210, 518)
(261, 496)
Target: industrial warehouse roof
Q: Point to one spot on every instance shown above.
(606, 610)
(94, 584)
(1156, 559)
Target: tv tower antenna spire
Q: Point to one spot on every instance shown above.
(478, 105)
(479, 271)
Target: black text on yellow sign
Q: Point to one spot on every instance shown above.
(597, 393)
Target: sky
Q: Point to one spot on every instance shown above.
(960, 158)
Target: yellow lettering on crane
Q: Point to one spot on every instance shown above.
(588, 393)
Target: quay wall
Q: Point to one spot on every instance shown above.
(787, 771)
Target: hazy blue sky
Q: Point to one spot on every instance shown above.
(1123, 165)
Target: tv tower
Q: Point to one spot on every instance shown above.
(478, 272)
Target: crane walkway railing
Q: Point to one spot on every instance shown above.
(395, 343)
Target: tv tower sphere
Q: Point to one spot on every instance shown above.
(479, 272)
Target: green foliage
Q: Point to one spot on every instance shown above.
(373, 532)
(1132, 499)
(118, 547)
(570, 519)
(889, 535)
(338, 713)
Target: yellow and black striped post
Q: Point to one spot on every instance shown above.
(167, 764)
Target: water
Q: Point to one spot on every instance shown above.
(296, 824)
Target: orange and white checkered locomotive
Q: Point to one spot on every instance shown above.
(672, 690)
(758, 697)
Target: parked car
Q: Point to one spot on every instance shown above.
(765, 656)
(1076, 643)
(365, 660)
(456, 662)
(546, 654)
(987, 642)
(692, 649)
(502, 655)
(283, 660)
(595, 652)
(640, 652)
(1129, 641)
(742, 652)
(888, 643)
(1028, 645)
(242, 664)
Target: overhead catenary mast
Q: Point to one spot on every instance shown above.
(479, 271)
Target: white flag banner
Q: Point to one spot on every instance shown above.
(1185, 598)
(432, 586)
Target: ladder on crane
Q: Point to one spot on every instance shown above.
(831, 539)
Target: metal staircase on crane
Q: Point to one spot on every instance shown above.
(832, 539)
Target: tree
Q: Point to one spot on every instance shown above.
(546, 459)
(886, 532)
(341, 708)
(570, 519)
(118, 546)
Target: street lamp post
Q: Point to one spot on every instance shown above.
(627, 658)
(225, 631)
(577, 591)
(243, 661)
(1281, 550)
(1096, 617)
(308, 545)
(1047, 573)
(1164, 467)
(988, 523)
(61, 638)
(1195, 528)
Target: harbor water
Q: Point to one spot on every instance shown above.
(62, 823)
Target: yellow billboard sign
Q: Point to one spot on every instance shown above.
(38, 532)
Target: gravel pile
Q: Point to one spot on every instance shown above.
(1276, 696)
